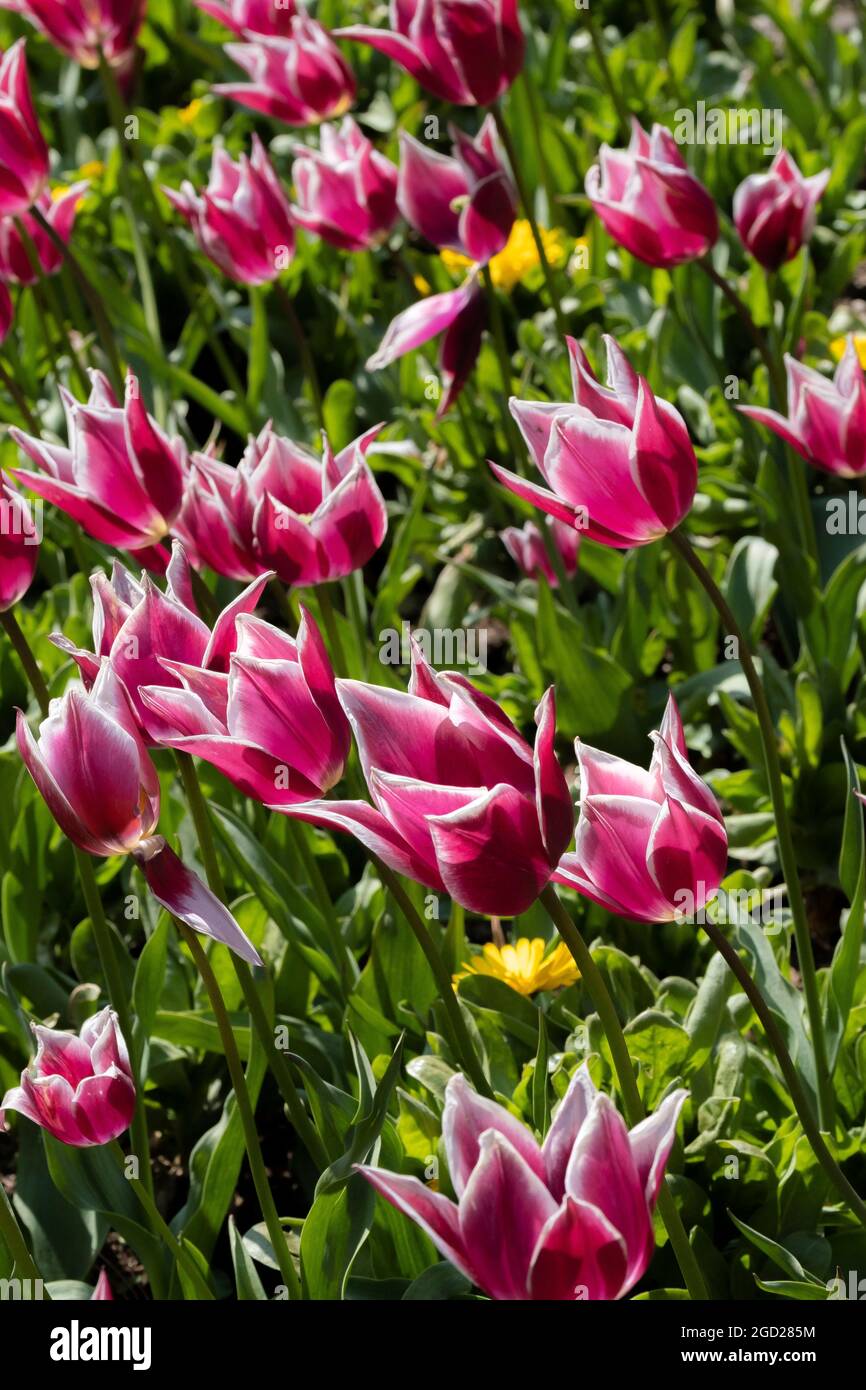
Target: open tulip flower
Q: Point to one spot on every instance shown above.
(346, 191)
(460, 316)
(120, 477)
(242, 220)
(569, 1219)
(464, 51)
(93, 771)
(650, 846)
(465, 202)
(19, 547)
(826, 420)
(282, 509)
(80, 1088)
(619, 463)
(23, 151)
(86, 29)
(272, 17)
(774, 213)
(300, 79)
(526, 547)
(649, 201)
(461, 803)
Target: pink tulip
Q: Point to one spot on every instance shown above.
(650, 846)
(301, 79)
(460, 315)
(272, 725)
(84, 29)
(94, 773)
(102, 1289)
(775, 212)
(346, 191)
(242, 220)
(568, 1219)
(619, 463)
(272, 17)
(19, 547)
(78, 1088)
(281, 508)
(649, 201)
(120, 478)
(528, 551)
(460, 801)
(15, 266)
(466, 201)
(465, 51)
(23, 151)
(826, 420)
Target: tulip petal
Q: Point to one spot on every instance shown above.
(503, 1211)
(466, 1117)
(580, 1255)
(435, 1214)
(651, 1143)
(490, 853)
(603, 1172)
(184, 895)
(565, 1129)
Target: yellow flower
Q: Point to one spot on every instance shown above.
(93, 169)
(524, 966)
(517, 258)
(187, 114)
(837, 347)
(422, 285)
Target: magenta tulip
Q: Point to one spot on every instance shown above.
(23, 151)
(460, 801)
(120, 478)
(619, 463)
(102, 1289)
(346, 191)
(81, 1088)
(826, 420)
(650, 203)
(270, 17)
(86, 29)
(466, 201)
(273, 725)
(775, 212)
(59, 212)
(464, 51)
(460, 315)
(569, 1219)
(242, 220)
(650, 846)
(301, 79)
(526, 547)
(283, 509)
(19, 547)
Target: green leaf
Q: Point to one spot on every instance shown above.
(247, 1282)
(336, 1227)
(788, 1263)
(845, 965)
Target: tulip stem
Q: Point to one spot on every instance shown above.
(529, 210)
(280, 1068)
(258, 357)
(787, 855)
(20, 400)
(789, 1071)
(624, 1067)
(42, 284)
(161, 1227)
(245, 1111)
(460, 1040)
(23, 1264)
(25, 656)
(308, 362)
(607, 76)
(335, 642)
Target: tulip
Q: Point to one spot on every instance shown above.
(81, 1088)
(775, 212)
(281, 508)
(242, 220)
(649, 201)
(619, 462)
(460, 801)
(19, 547)
(826, 420)
(568, 1219)
(346, 192)
(526, 547)
(59, 212)
(465, 51)
(120, 478)
(271, 17)
(272, 725)
(86, 29)
(650, 846)
(102, 1289)
(461, 315)
(94, 773)
(465, 202)
(301, 79)
(23, 152)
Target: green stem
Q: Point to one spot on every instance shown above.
(51, 305)
(632, 1103)
(258, 359)
(20, 400)
(27, 659)
(245, 1111)
(307, 359)
(326, 608)
(24, 1265)
(787, 856)
(535, 118)
(161, 1227)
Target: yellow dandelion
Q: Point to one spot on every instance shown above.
(518, 257)
(837, 347)
(187, 114)
(524, 965)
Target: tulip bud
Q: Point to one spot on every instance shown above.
(19, 547)
(302, 79)
(775, 212)
(346, 192)
(826, 420)
(526, 547)
(23, 152)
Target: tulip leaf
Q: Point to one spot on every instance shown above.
(336, 1227)
(247, 1282)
